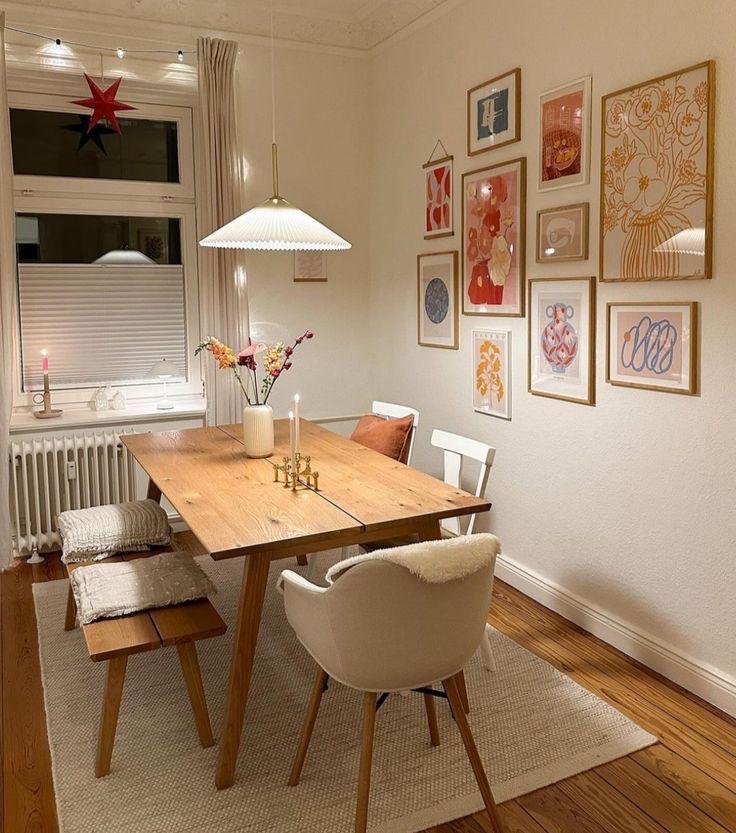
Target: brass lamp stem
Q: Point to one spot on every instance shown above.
(275, 168)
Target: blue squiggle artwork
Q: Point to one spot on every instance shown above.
(649, 345)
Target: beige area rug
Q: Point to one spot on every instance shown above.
(532, 724)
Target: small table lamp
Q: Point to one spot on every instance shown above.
(163, 371)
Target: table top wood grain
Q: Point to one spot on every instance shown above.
(231, 503)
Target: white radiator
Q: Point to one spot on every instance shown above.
(73, 472)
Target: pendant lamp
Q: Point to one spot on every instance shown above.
(275, 224)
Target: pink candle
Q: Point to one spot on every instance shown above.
(45, 361)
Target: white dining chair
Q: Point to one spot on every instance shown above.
(457, 449)
(391, 411)
(392, 620)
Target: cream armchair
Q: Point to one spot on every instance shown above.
(391, 620)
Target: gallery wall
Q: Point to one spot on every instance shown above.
(619, 515)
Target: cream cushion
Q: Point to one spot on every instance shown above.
(103, 591)
(101, 531)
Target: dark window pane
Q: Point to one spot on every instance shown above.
(83, 238)
(57, 144)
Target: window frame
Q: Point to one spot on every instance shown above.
(183, 190)
(69, 195)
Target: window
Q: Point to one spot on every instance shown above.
(106, 248)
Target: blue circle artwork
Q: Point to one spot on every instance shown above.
(436, 301)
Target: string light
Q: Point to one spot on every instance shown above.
(119, 51)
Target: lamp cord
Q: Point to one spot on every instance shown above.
(273, 81)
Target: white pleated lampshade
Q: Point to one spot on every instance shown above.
(275, 225)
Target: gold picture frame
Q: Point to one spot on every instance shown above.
(553, 381)
(429, 168)
(584, 208)
(655, 331)
(515, 135)
(651, 251)
(437, 339)
(517, 310)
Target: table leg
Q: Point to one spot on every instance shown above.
(252, 592)
(153, 493)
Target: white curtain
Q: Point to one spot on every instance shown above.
(7, 304)
(223, 297)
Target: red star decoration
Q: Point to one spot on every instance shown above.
(103, 104)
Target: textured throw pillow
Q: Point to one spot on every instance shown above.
(103, 591)
(101, 531)
(391, 437)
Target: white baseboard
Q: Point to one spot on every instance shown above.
(704, 680)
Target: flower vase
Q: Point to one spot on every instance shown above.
(258, 430)
(559, 338)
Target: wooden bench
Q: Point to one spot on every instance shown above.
(114, 640)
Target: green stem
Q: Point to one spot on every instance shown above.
(240, 382)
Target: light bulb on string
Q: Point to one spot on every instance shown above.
(180, 56)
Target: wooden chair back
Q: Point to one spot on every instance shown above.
(456, 449)
(391, 411)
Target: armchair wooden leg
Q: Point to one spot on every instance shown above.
(193, 678)
(434, 731)
(366, 761)
(70, 620)
(110, 711)
(463, 692)
(318, 689)
(461, 721)
(302, 560)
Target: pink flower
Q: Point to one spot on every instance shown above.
(289, 351)
(286, 365)
(275, 373)
(252, 348)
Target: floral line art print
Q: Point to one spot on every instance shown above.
(488, 378)
(655, 178)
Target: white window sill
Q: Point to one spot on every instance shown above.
(23, 422)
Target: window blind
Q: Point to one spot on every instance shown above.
(100, 324)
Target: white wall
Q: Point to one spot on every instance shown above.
(630, 505)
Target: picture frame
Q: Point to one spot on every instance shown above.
(653, 345)
(310, 267)
(563, 233)
(564, 135)
(154, 243)
(494, 113)
(494, 239)
(437, 300)
(438, 198)
(656, 186)
(492, 373)
(561, 333)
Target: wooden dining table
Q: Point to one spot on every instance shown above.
(236, 510)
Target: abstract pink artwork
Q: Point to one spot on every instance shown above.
(564, 130)
(438, 198)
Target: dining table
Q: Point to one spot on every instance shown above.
(236, 509)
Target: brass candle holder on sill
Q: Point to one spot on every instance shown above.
(297, 472)
(45, 399)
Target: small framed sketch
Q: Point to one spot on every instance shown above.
(494, 239)
(657, 178)
(310, 266)
(491, 372)
(562, 233)
(653, 345)
(494, 113)
(562, 338)
(437, 302)
(438, 207)
(564, 135)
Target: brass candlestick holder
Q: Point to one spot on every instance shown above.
(45, 399)
(296, 473)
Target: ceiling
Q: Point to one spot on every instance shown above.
(355, 24)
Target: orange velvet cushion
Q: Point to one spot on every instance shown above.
(387, 436)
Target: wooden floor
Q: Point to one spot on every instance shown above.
(684, 784)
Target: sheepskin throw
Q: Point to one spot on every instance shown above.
(432, 561)
(101, 531)
(106, 590)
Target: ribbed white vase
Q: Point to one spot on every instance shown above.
(258, 430)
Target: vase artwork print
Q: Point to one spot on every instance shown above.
(657, 178)
(438, 207)
(562, 338)
(491, 372)
(564, 135)
(652, 346)
(494, 233)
